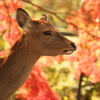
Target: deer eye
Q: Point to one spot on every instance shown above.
(47, 33)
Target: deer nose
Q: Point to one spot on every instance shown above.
(74, 46)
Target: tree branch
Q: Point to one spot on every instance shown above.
(49, 11)
(79, 87)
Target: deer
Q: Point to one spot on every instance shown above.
(39, 38)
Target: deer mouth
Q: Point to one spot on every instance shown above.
(68, 52)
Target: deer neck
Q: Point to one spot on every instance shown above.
(16, 69)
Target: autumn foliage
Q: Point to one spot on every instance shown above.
(86, 60)
(8, 25)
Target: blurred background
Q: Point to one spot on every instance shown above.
(73, 77)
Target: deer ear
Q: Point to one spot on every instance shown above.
(23, 19)
(43, 17)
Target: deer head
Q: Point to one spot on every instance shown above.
(42, 37)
